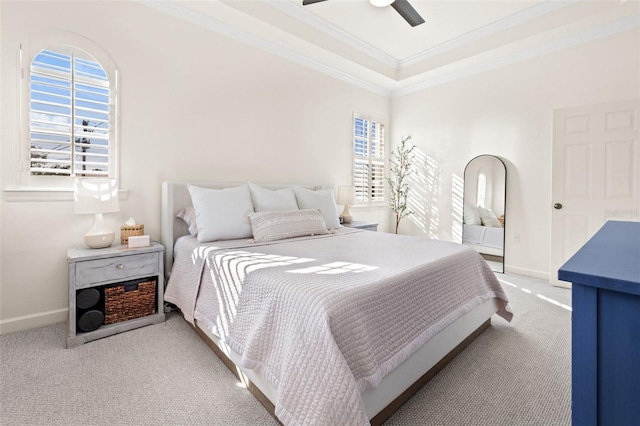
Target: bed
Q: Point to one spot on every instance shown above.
(484, 239)
(321, 331)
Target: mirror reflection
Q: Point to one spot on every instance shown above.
(485, 189)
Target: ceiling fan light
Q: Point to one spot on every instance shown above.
(381, 3)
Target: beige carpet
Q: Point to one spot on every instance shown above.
(513, 374)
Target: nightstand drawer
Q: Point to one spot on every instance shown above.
(92, 272)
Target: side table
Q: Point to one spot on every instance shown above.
(94, 275)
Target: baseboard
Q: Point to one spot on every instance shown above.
(526, 272)
(32, 321)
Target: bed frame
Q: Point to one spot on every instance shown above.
(395, 389)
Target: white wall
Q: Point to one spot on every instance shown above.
(1, 161)
(194, 105)
(508, 113)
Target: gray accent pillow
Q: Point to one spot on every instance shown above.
(188, 215)
(279, 225)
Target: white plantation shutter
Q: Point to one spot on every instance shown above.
(69, 115)
(377, 162)
(368, 160)
(361, 179)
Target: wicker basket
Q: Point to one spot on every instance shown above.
(121, 305)
(128, 231)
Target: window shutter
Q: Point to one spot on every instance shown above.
(377, 162)
(361, 180)
(377, 181)
(368, 160)
(69, 116)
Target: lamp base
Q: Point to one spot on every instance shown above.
(99, 236)
(346, 215)
(99, 241)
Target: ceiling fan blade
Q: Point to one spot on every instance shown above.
(407, 12)
(308, 2)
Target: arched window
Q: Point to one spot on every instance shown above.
(481, 194)
(69, 114)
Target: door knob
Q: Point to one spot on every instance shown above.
(557, 206)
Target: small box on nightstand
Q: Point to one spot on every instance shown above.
(127, 231)
(139, 241)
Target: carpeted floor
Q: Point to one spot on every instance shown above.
(513, 374)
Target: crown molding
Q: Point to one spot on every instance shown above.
(518, 18)
(175, 9)
(329, 29)
(612, 28)
(309, 18)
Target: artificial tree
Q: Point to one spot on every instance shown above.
(399, 170)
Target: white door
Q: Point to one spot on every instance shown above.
(595, 175)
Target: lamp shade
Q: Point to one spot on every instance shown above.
(346, 195)
(94, 195)
(381, 3)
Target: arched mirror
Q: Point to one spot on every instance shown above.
(485, 190)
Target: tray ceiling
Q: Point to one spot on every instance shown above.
(376, 49)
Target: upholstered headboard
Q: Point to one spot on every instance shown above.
(175, 197)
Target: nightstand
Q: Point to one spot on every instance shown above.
(367, 226)
(112, 290)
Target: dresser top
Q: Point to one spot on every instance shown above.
(81, 253)
(610, 259)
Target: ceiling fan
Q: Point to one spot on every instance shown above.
(401, 6)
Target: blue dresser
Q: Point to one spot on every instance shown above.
(605, 274)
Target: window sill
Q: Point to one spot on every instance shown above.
(47, 194)
(376, 206)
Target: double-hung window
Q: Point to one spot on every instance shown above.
(368, 160)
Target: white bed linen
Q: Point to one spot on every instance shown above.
(322, 318)
(488, 236)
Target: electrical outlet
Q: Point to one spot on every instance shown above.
(516, 238)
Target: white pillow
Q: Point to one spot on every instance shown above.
(471, 215)
(278, 225)
(323, 200)
(486, 213)
(266, 200)
(220, 213)
(493, 223)
(488, 218)
(188, 214)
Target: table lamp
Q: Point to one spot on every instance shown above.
(346, 197)
(97, 196)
